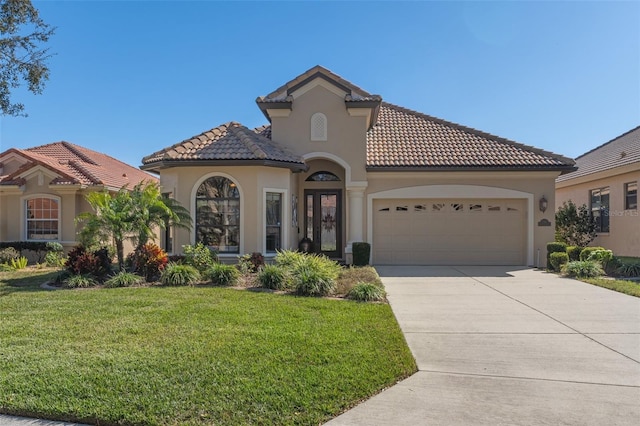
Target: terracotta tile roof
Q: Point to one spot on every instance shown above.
(621, 151)
(76, 165)
(231, 142)
(406, 139)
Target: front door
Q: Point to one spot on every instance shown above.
(323, 214)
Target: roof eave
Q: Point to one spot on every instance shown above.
(267, 105)
(156, 166)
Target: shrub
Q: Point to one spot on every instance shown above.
(179, 274)
(586, 252)
(349, 277)
(274, 277)
(629, 269)
(82, 262)
(123, 279)
(367, 292)
(19, 263)
(554, 247)
(315, 276)
(611, 267)
(79, 281)
(289, 258)
(54, 259)
(583, 269)
(574, 252)
(222, 274)
(361, 253)
(251, 262)
(199, 256)
(575, 225)
(602, 256)
(148, 260)
(54, 246)
(7, 254)
(558, 259)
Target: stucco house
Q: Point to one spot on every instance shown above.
(606, 181)
(337, 165)
(42, 189)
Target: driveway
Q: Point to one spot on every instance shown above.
(510, 346)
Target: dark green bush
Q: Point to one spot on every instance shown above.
(361, 253)
(558, 259)
(199, 256)
(629, 269)
(554, 247)
(222, 274)
(586, 252)
(367, 292)
(274, 277)
(574, 252)
(583, 269)
(179, 274)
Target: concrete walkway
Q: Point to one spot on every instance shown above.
(509, 346)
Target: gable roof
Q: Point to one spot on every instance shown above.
(230, 143)
(403, 139)
(75, 165)
(620, 151)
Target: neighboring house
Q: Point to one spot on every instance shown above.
(607, 183)
(338, 165)
(43, 189)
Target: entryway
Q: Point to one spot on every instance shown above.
(323, 220)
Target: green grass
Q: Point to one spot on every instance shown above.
(623, 286)
(190, 355)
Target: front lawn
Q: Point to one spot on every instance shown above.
(190, 355)
(631, 288)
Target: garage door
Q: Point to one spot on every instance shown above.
(449, 232)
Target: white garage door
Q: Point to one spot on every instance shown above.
(449, 232)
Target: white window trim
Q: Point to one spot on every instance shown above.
(286, 213)
(316, 137)
(243, 200)
(23, 215)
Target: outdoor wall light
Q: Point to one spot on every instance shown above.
(543, 204)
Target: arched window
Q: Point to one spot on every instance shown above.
(318, 127)
(42, 218)
(323, 176)
(218, 214)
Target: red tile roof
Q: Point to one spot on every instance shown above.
(621, 151)
(406, 139)
(230, 142)
(76, 165)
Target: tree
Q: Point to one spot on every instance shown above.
(130, 215)
(575, 225)
(21, 57)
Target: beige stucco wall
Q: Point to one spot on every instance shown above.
(252, 182)
(624, 235)
(537, 184)
(346, 135)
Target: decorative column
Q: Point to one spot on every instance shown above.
(355, 223)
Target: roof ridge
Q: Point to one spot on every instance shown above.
(608, 142)
(82, 169)
(480, 133)
(74, 148)
(246, 137)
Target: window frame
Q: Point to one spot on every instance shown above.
(627, 204)
(602, 219)
(24, 220)
(240, 214)
(284, 219)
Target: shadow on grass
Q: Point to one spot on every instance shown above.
(25, 281)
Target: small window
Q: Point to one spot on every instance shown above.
(437, 207)
(318, 127)
(631, 196)
(420, 208)
(511, 209)
(402, 208)
(457, 207)
(493, 208)
(323, 177)
(384, 209)
(273, 221)
(475, 207)
(42, 219)
(600, 208)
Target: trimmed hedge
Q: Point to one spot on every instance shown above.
(361, 253)
(574, 253)
(586, 252)
(558, 259)
(554, 247)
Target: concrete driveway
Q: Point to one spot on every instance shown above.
(509, 346)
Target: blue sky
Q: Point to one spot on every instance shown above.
(129, 78)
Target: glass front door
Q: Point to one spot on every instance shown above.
(323, 216)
